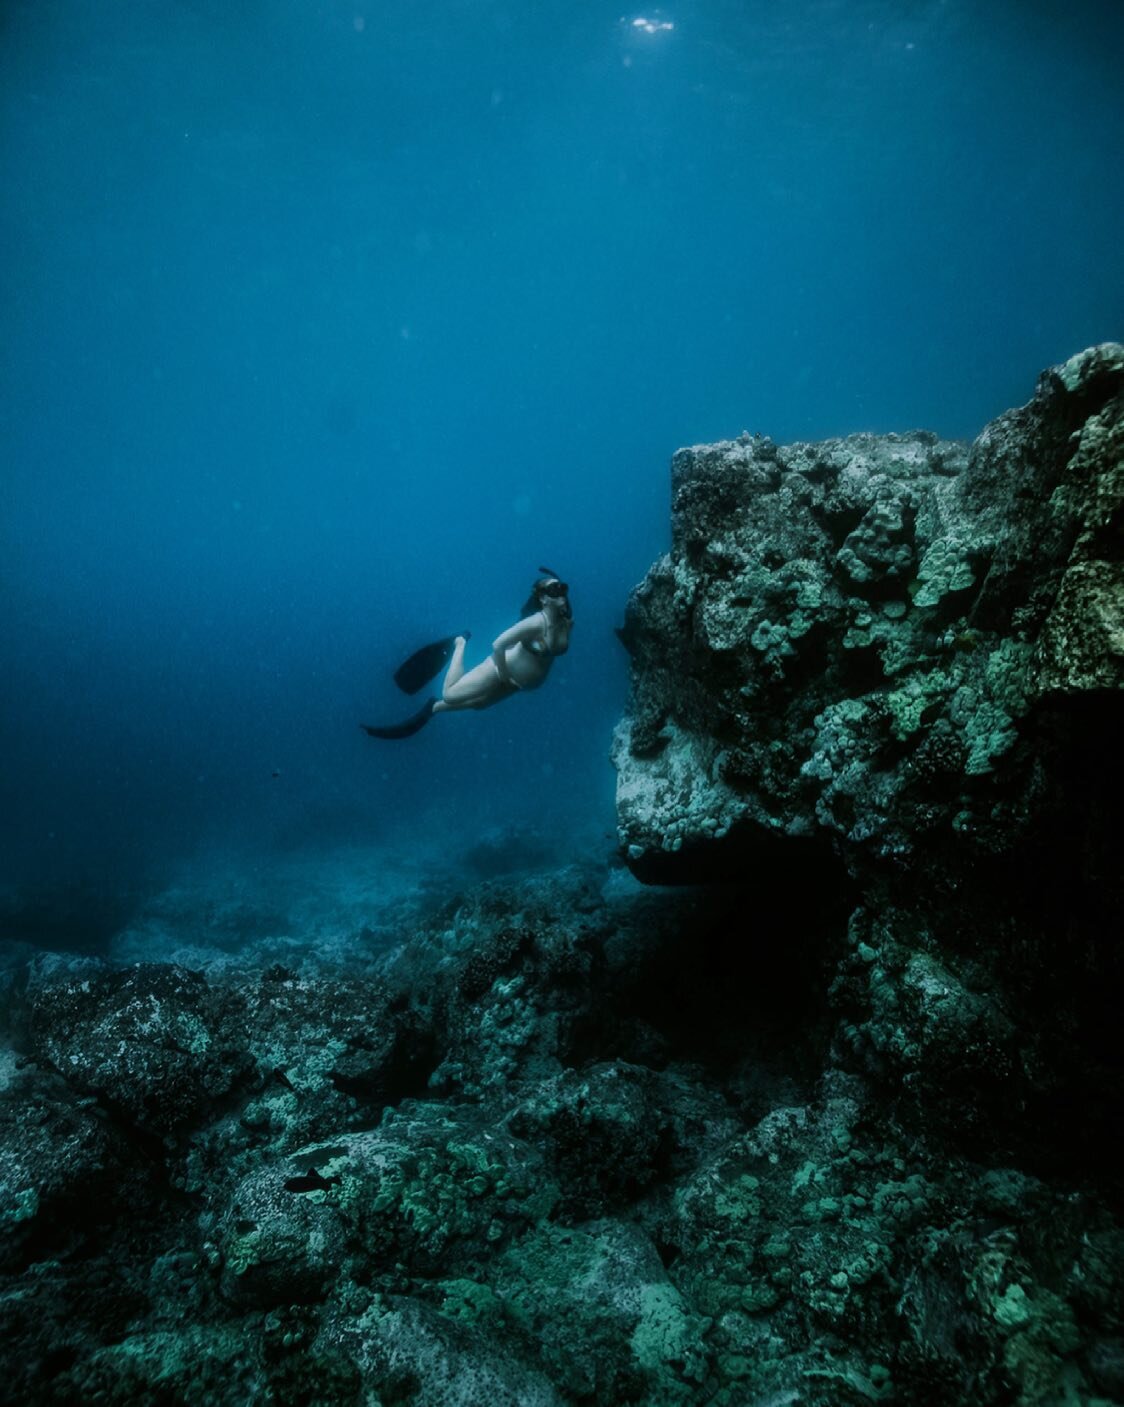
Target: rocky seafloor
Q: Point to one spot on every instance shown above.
(825, 1114)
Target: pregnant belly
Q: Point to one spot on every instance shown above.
(527, 670)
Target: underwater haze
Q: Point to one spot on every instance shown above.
(326, 322)
(731, 1021)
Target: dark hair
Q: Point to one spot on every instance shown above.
(548, 585)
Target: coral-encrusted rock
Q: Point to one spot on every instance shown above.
(856, 638)
(281, 1245)
(603, 1133)
(154, 1041)
(64, 1168)
(910, 654)
(596, 1306)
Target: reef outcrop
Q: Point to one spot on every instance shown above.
(891, 666)
(864, 640)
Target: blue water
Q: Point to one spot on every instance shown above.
(325, 322)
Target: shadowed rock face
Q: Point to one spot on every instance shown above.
(865, 639)
(888, 669)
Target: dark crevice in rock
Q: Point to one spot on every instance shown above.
(840, 522)
(377, 1079)
(744, 978)
(857, 671)
(1089, 397)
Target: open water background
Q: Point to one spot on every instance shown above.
(325, 322)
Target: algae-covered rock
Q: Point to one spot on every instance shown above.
(673, 1195)
(599, 1313)
(828, 609)
(280, 1245)
(154, 1040)
(325, 1055)
(604, 1135)
(408, 1352)
(65, 1168)
(190, 1364)
(909, 653)
(510, 973)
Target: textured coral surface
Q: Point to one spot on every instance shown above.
(863, 640)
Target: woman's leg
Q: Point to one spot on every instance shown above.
(456, 668)
(479, 688)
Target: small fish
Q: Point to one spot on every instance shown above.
(282, 1079)
(276, 772)
(310, 1181)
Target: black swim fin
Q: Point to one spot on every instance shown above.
(424, 664)
(403, 730)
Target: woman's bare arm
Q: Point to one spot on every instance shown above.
(526, 629)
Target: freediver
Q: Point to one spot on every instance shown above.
(521, 658)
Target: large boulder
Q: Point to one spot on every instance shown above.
(154, 1043)
(865, 640)
(889, 668)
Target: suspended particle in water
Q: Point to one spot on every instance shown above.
(647, 26)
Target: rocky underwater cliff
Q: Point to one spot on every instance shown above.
(825, 1115)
